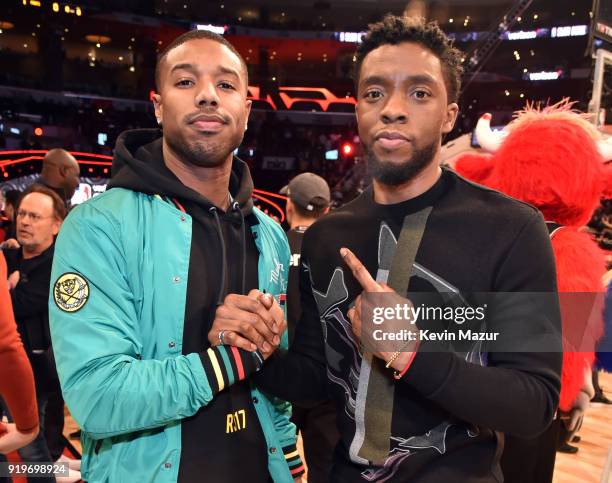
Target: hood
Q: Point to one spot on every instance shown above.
(138, 165)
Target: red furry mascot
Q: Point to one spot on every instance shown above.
(554, 159)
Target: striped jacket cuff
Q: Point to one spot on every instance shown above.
(224, 365)
(296, 467)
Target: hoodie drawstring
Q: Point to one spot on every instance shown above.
(213, 210)
(236, 206)
(221, 295)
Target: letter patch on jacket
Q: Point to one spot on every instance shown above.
(276, 275)
(235, 421)
(70, 292)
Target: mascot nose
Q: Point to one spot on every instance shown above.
(488, 139)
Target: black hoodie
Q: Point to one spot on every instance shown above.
(223, 260)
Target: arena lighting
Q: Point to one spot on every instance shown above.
(569, 31)
(331, 155)
(352, 37)
(522, 35)
(604, 29)
(98, 39)
(10, 158)
(258, 195)
(555, 32)
(269, 193)
(253, 95)
(537, 76)
(32, 3)
(38, 131)
(347, 149)
(22, 156)
(290, 95)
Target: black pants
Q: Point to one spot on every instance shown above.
(531, 460)
(320, 436)
(54, 425)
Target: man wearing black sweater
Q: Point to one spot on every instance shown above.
(420, 415)
(39, 215)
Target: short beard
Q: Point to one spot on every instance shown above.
(394, 174)
(205, 154)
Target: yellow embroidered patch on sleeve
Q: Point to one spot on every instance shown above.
(70, 292)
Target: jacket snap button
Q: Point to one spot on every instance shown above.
(255, 400)
(168, 465)
(182, 218)
(176, 279)
(272, 450)
(171, 344)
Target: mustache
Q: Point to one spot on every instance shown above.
(210, 115)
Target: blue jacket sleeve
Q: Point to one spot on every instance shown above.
(106, 385)
(285, 429)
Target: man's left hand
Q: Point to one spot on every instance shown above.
(369, 285)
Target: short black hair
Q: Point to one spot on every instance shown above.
(394, 30)
(194, 35)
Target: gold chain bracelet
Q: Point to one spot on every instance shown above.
(393, 357)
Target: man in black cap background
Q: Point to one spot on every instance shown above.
(308, 200)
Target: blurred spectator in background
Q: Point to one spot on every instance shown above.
(7, 220)
(60, 172)
(39, 216)
(308, 199)
(16, 379)
(601, 225)
(601, 228)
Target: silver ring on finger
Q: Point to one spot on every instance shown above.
(221, 335)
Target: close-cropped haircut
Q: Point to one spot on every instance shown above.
(195, 35)
(393, 30)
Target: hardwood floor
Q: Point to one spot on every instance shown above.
(586, 466)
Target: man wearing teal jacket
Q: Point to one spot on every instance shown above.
(152, 279)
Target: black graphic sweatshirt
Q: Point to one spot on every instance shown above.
(449, 415)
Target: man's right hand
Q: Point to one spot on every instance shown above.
(13, 439)
(249, 322)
